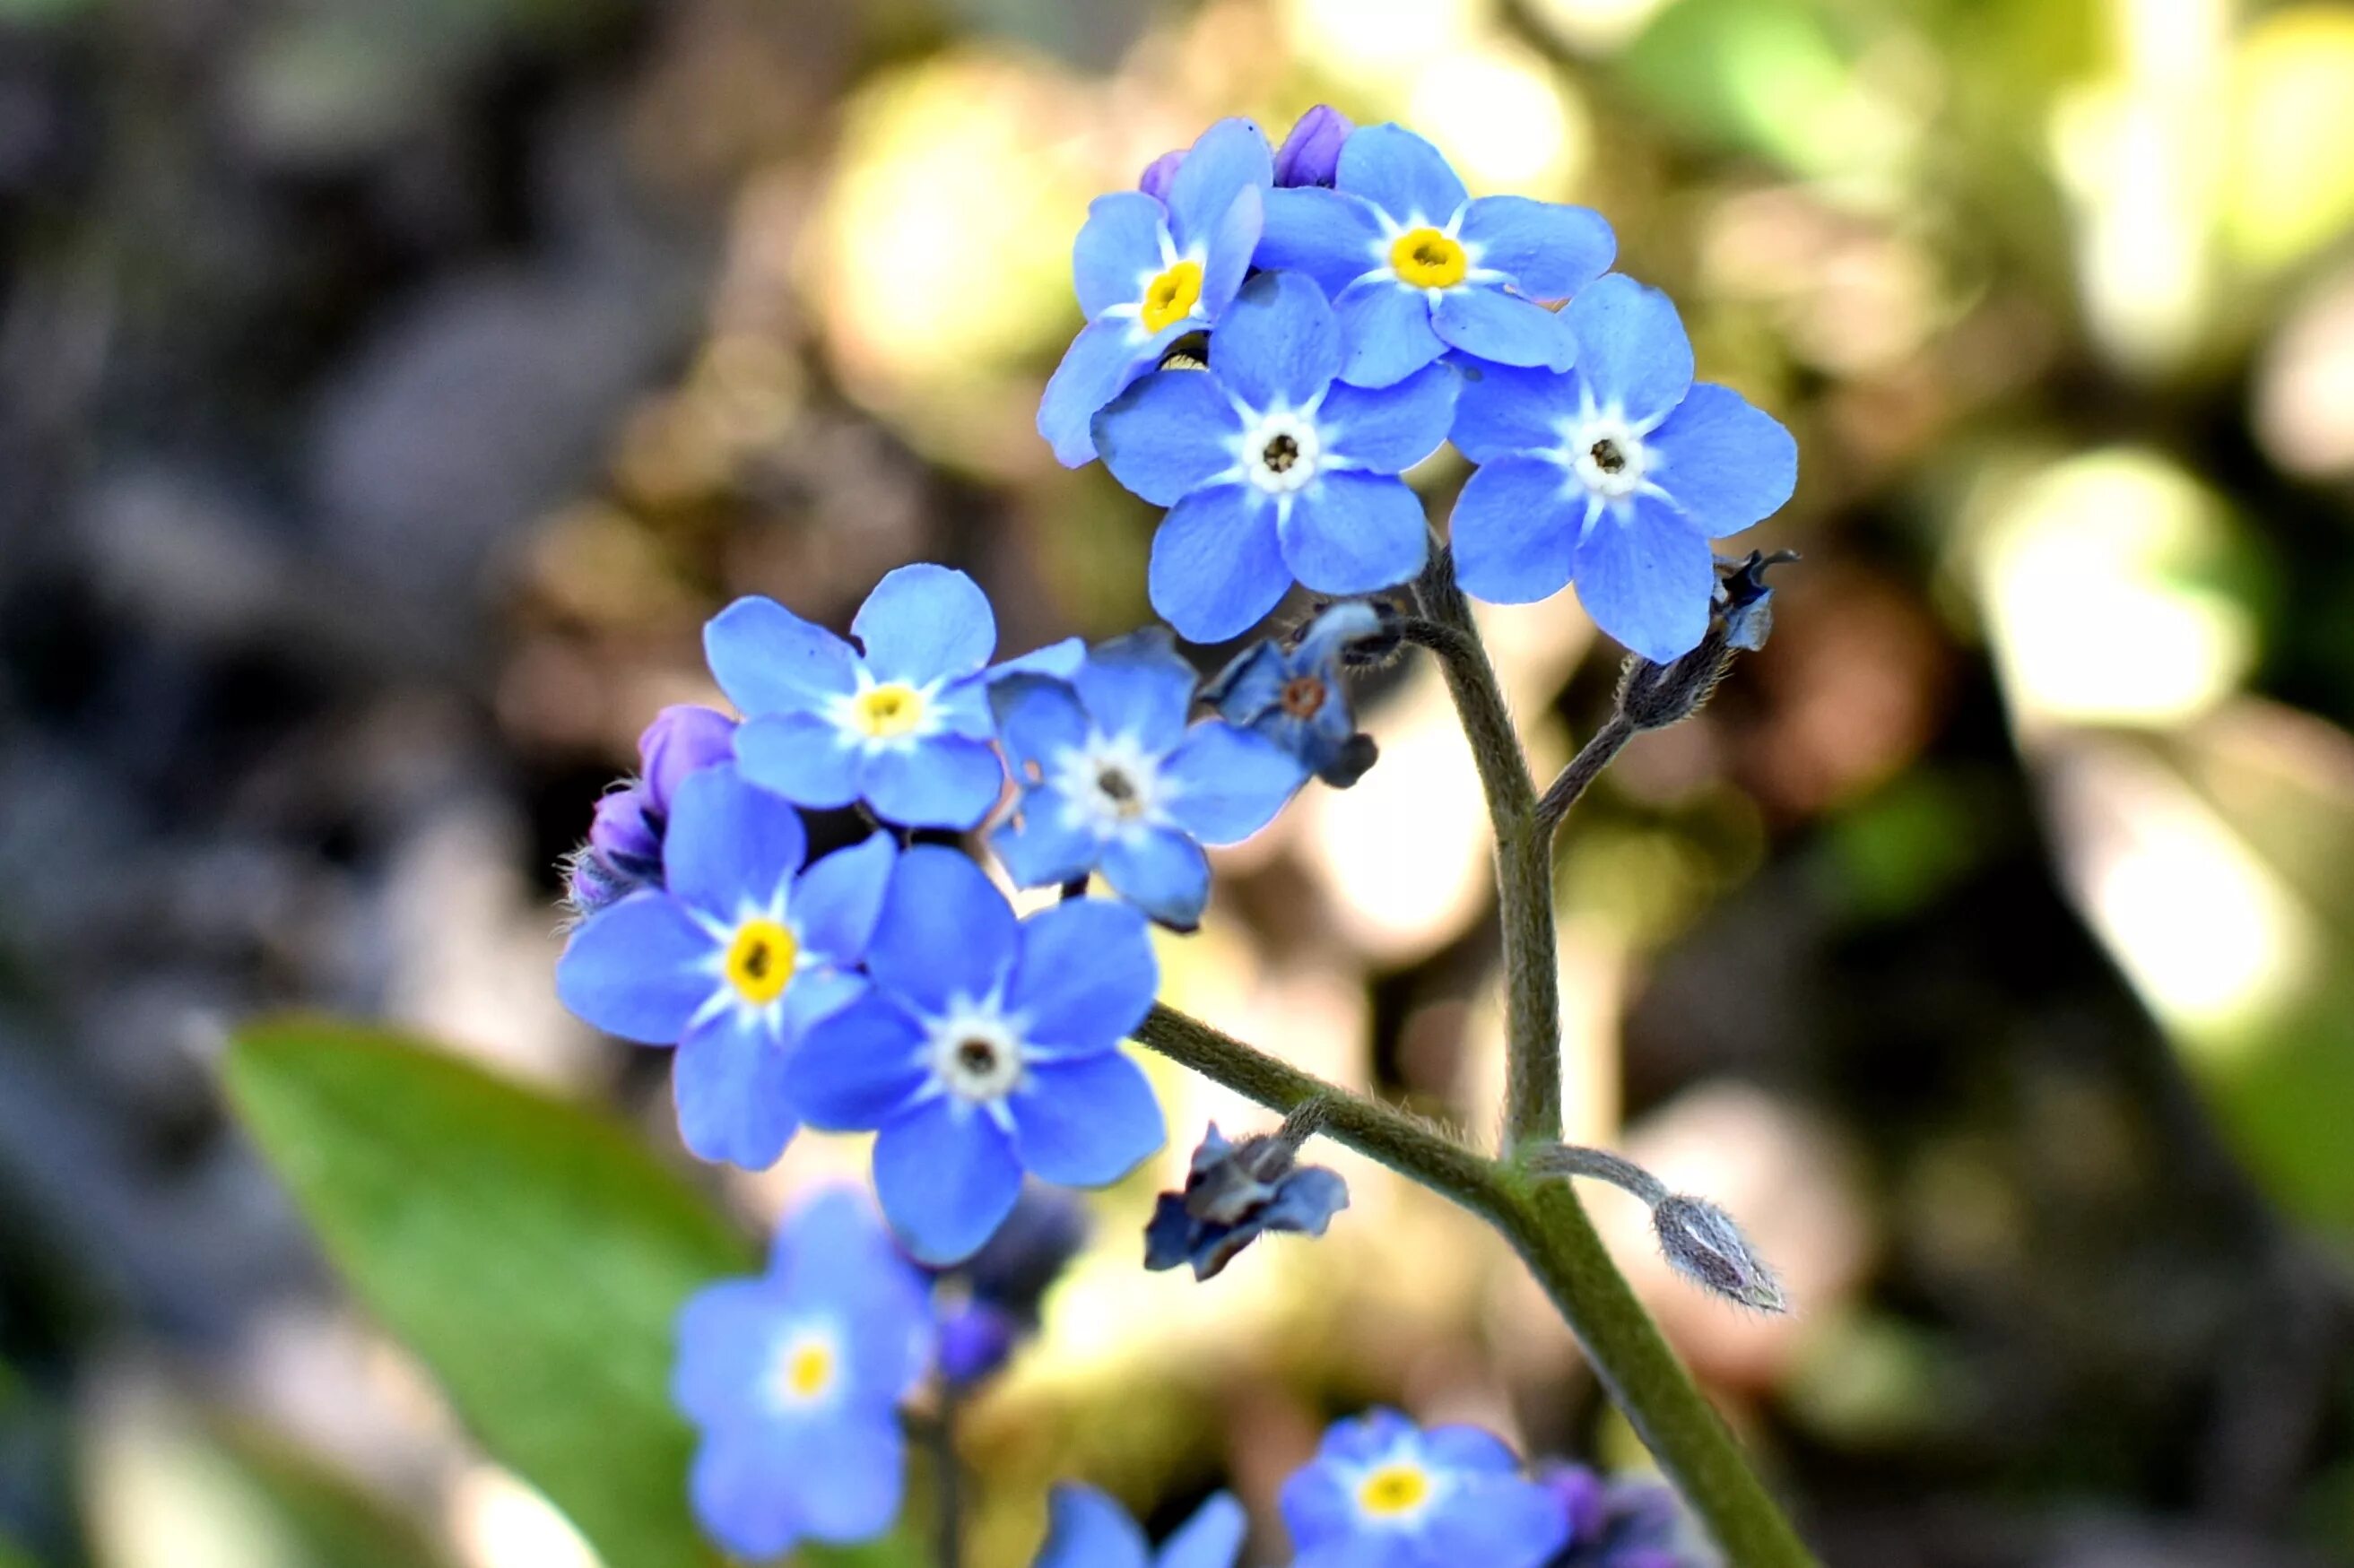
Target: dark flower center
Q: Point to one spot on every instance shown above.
(755, 960)
(1280, 454)
(1116, 786)
(1607, 457)
(977, 1056)
(1303, 695)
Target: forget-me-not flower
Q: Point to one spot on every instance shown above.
(1417, 266)
(732, 959)
(986, 1048)
(1234, 1194)
(901, 722)
(1294, 696)
(1088, 1530)
(794, 1380)
(1114, 779)
(1615, 475)
(1150, 272)
(1383, 1493)
(1271, 467)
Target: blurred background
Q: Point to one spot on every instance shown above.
(390, 388)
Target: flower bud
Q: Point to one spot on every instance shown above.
(1310, 156)
(1704, 1244)
(683, 739)
(1160, 173)
(1235, 1193)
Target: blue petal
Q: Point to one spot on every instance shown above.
(1231, 245)
(1105, 357)
(1334, 237)
(728, 1079)
(1726, 463)
(1139, 685)
(1403, 174)
(1086, 974)
(838, 899)
(1279, 345)
(1390, 430)
(730, 846)
(1086, 1122)
(1169, 434)
(1647, 580)
(947, 932)
(1212, 1538)
(1041, 848)
(1307, 1201)
(1118, 250)
(1370, 1547)
(1038, 718)
(848, 1472)
(1062, 659)
(1631, 348)
(859, 1068)
(1317, 1506)
(1504, 409)
(1088, 1530)
(1333, 630)
(741, 1499)
(1232, 782)
(807, 759)
(945, 781)
(1216, 568)
(640, 969)
(1503, 328)
(1162, 872)
(1353, 533)
(1227, 157)
(1250, 687)
(1550, 251)
(1457, 1447)
(1505, 1521)
(946, 1177)
(925, 622)
(768, 660)
(1386, 327)
(727, 1339)
(1363, 1439)
(1515, 530)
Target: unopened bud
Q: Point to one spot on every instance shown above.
(1704, 1244)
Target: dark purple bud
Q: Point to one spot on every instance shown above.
(621, 834)
(975, 1340)
(1310, 156)
(1155, 180)
(683, 739)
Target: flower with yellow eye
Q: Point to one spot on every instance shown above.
(1151, 272)
(1416, 267)
(795, 1380)
(1382, 1490)
(731, 958)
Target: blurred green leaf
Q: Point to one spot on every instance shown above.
(532, 1253)
(12, 1558)
(330, 1522)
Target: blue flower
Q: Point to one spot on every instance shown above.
(731, 959)
(1383, 1493)
(1148, 273)
(986, 1047)
(794, 1380)
(1416, 267)
(1088, 1530)
(1234, 1194)
(1616, 475)
(1272, 470)
(1294, 696)
(988, 1303)
(1114, 779)
(903, 724)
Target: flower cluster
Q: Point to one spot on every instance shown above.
(1273, 339)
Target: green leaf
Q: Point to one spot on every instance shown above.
(532, 1253)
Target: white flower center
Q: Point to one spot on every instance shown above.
(1605, 450)
(1280, 452)
(976, 1054)
(1111, 786)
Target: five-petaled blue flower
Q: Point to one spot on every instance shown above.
(903, 725)
(1273, 469)
(1088, 1530)
(731, 959)
(1148, 273)
(1616, 475)
(795, 1380)
(986, 1047)
(1114, 779)
(1383, 1493)
(1294, 696)
(1416, 267)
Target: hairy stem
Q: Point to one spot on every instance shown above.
(1598, 752)
(1523, 864)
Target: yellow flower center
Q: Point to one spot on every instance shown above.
(1426, 258)
(1172, 296)
(805, 1371)
(1394, 1489)
(891, 709)
(760, 961)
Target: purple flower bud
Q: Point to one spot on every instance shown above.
(683, 739)
(975, 1340)
(1158, 174)
(621, 834)
(1310, 156)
